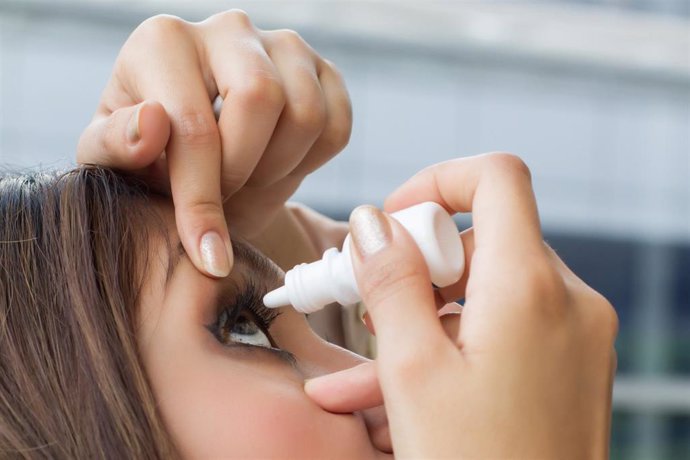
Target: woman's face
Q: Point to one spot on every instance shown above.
(220, 398)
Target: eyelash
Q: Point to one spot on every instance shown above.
(250, 301)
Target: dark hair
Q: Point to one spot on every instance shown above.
(72, 385)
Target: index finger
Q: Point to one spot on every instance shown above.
(495, 187)
(193, 152)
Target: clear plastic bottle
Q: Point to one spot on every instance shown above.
(310, 287)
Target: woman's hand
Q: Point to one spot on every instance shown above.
(285, 112)
(528, 371)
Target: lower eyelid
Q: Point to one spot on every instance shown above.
(264, 326)
(284, 355)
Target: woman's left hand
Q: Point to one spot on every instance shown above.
(285, 112)
(528, 371)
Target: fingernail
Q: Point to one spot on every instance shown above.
(370, 230)
(314, 383)
(133, 133)
(308, 384)
(214, 255)
(366, 320)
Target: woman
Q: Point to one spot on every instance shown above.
(116, 345)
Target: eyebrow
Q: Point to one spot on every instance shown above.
(173, 259)
(244, 254)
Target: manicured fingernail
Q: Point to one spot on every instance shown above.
(214, 255)
(370, 230)
(133, 133)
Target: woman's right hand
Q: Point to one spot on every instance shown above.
(285, 112)
(528, 371)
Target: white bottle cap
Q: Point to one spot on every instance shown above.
(437, 238)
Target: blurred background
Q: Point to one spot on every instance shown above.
(593, 94)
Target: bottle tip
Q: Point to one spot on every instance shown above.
(277, 298)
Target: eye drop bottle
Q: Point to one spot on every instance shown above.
(311, 286)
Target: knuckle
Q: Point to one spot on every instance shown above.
(162, 25)
(203, 210)
(510, 163)
(388, 279)
(612, 321)
(606, 317)
(235, 17)
(308, 116)
(290, 37)
(544, 287)
(327, 66)
(337, 136)
(330, 67)
(262, 90)
(238, 16)
(337, 133)
(196, 128)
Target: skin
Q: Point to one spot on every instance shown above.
(526, 374)
(222, 401)
(285, 112)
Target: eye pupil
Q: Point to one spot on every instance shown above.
(245, 326)
(244, 329)
(245, 321)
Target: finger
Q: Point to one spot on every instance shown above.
(130, 138)
(338, 126)
(457, 290)
(170, 74)
(395, 286)
(358, 388)
(348, 390)
(304, 115)
(451, 325)
(252, 92)
(241, 207)
(379, 431)
(366, 319)
(496, 188)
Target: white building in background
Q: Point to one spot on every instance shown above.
(597, 102)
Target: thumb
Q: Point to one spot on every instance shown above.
(130, 138)
(345, 391)
(394, 283)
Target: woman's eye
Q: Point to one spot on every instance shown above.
(244, 330)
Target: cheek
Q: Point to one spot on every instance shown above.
(217, 407)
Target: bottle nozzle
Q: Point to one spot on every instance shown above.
(277, 298)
